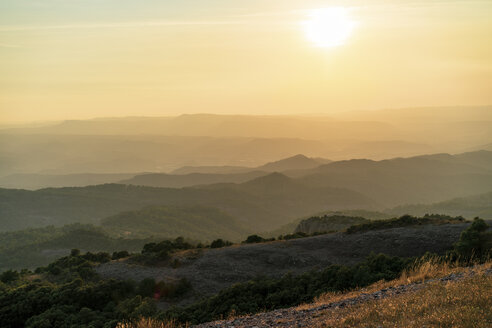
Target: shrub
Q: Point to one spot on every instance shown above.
(119, 255)
(252, 239)
(474, 242)
(9, 276)
(219, 243)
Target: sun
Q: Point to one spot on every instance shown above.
(328, 27)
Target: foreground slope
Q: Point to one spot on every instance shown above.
(209, 271)
(460, 298)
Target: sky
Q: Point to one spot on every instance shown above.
(78, 59)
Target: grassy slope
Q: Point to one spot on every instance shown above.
(461, 303)
(464, 303)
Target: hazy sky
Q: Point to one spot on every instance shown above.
(86, 58)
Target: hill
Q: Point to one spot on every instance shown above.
(193, 176)
(252, 206)
(291, 226)
(421, 179)
(328, 223)
(195, 222)
(469, 207)
(37, 181)
(297, 162)
(163, 144)
(32, 248)
(456, 297)
(215, 269)
(188, 180)
(70, 290)
(223, 169)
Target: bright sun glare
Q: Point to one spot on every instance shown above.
(328, 27)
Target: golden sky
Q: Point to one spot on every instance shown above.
(66, 59)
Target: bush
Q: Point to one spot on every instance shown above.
(9, 276)
(153, 253)
(474, 242)
(119, 255)
(146, 287)
(252, 239)
(219, 243)
(170, 290)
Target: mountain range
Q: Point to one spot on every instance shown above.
(271, 200)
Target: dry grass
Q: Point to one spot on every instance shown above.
(421, 271)
(150, 323)
(464, 303)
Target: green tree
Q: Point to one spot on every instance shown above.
(473, 243)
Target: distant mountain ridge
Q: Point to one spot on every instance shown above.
(263, 209)
(164, 144)
(420, 179)
(469, 207)
(268, 201)
(297, 162)
(37, 181)
(187, 178)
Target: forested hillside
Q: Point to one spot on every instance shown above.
(31, 248)
(194, 222)
(264, 208)
(472, 206)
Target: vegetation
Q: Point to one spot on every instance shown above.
(68, 292)
(219, 243)
(405, 221)
(292, 226)
(37, 247)
(196, 222)
(263, 204)
(154, 253)
(465, 303)
(254, 239)
(475, 242)
(266, 293)
(329, 223)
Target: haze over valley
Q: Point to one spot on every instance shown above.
(245, 164)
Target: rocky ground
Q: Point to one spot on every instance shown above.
(211, 270)
(306, 316)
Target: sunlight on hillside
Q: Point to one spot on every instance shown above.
(466, 303)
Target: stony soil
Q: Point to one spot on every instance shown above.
(214, 269)
(306, 316)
